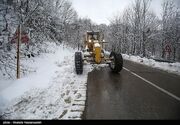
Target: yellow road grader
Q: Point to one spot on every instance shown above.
(94, 53)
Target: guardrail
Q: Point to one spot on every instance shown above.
(162, 60)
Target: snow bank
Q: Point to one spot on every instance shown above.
(54, 91)
(169, 67)
(97, 45)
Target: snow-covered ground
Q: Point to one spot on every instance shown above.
(169, 67)
(54, 91)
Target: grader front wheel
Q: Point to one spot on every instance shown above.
(116, 64)
(78, 63)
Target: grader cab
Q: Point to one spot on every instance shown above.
(94, 53)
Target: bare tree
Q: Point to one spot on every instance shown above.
(145, 9)
(170, 28)
(135, 29)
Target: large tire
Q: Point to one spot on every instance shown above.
(116, 64)
(78, 63)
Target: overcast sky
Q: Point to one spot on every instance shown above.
(100, 11)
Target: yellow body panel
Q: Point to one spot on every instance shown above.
(97, 52)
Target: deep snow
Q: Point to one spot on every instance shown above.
(54, 91)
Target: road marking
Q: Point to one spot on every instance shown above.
(161, 89)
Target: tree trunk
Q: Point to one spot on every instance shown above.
(143, 45)
(163, 51)
(174, 57)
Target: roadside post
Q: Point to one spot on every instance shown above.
(20, 36)
(18, 52)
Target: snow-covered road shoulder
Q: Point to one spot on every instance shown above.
(169, 67)
(62, 97)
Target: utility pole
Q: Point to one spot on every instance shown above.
(18, 52)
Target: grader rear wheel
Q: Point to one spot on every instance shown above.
(116, 64)
(78, 63)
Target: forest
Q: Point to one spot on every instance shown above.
(137, 31)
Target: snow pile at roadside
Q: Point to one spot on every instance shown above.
(54, 91)
(169, 67)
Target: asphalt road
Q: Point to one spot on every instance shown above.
(138, 92)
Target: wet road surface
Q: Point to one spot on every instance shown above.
(138, 92)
